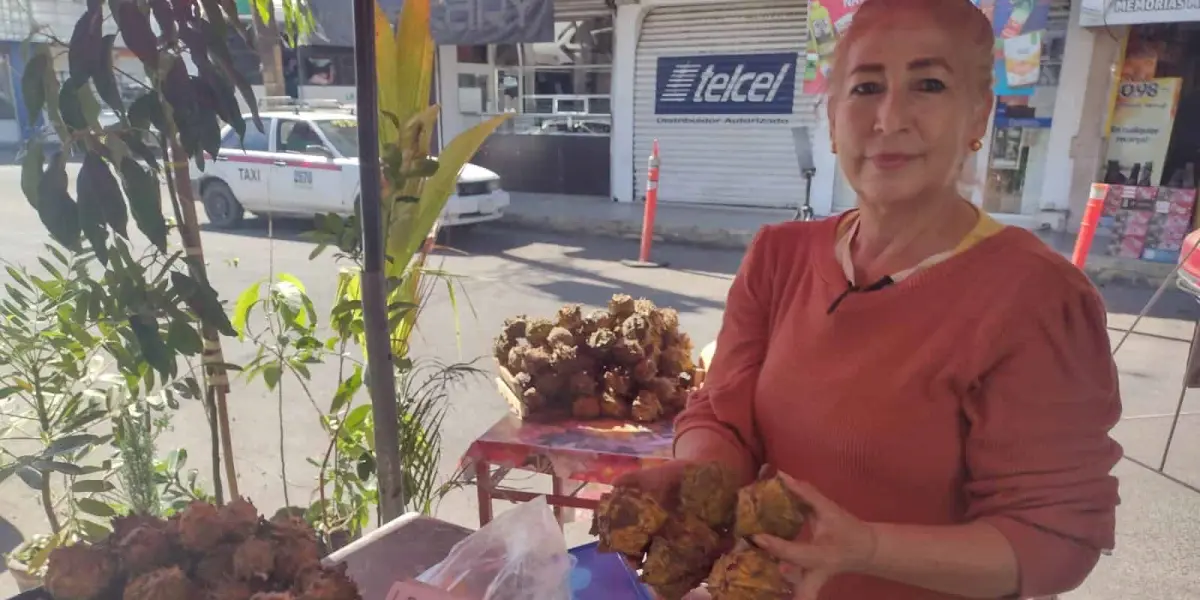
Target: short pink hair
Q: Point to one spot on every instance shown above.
(961, 18)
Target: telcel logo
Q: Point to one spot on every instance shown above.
(726, 84)
(739, 86)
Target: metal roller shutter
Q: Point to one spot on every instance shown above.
(729, 159)
(567, 10)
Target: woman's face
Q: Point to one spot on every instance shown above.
(904, 110)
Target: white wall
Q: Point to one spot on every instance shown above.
(1056, 188)
(626, 27)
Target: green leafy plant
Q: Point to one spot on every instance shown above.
(286, 345)
(88, 353)
(119, 179)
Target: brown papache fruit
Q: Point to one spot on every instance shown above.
(79, 572)
(626, 519)
(680, 556)
(767, 506)
(748, 573)
(710, 491)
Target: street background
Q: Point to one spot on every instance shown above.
(510, 268)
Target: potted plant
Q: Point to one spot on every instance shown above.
(49, 375)
(82, 368)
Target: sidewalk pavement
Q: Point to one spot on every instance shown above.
(734, 227)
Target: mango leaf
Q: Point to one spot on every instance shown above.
(145, 202)
(213, 10)
(224, 61)
(202, 299)
(245, 303)
(97, 183)
(184, 338)
(84, 57)
(161, 9)
(95, 508)
(133, 141)
(56, 208)
(114, 149)
(88, 106)
(31, 171)
(70, 104)
(147, 112)
(226, 99)
(177, 87)
(138, 35)
(105, 78)
(154, 351)
(33, 85)
(208, 127)
(91, 211)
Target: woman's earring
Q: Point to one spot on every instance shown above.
(975, 145)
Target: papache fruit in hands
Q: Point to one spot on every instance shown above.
(709, 491)
(681, 556)
(768, 506)
(748, 573)
(626, 520)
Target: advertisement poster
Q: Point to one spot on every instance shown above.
(1014, 20)
(1023, 59)
(1141, 130)
(827, 20)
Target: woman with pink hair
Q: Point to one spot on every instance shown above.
(938, 387)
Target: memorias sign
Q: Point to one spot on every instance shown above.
(482, 22)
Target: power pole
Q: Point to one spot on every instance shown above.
(266, 36)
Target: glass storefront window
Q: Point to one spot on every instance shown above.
(552, 87)
(8, 106)
(1021, 131)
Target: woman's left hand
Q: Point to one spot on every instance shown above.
(836, 542)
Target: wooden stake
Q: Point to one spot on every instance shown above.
(213, 358)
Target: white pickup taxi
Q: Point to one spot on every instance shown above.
(307, 164)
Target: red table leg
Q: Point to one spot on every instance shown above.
(483, 491)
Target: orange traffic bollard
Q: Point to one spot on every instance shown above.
(650, 212)
(1091, 220)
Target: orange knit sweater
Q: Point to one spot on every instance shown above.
(979, 388)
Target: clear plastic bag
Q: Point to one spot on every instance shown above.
(520, 555)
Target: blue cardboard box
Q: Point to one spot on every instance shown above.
(600, 576)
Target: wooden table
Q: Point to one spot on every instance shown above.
(574, 453)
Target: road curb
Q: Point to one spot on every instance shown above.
(1102, 270)
(682, 235)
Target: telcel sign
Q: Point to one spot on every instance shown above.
(726, 84)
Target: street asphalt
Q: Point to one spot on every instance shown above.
(506, 271)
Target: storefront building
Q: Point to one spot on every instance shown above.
(559, 92)
(726, 89)
(1149, 126)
